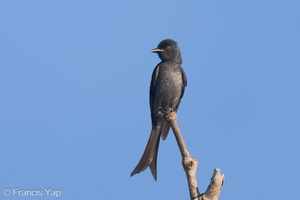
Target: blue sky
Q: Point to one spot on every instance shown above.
(74, 88)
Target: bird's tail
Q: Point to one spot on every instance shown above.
(165, 130)
(149, 157)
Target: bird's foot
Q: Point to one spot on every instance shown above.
(170, 114)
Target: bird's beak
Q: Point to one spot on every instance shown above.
(156, 50)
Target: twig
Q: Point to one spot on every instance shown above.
(190, 165)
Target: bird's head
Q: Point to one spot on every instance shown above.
(168, 50)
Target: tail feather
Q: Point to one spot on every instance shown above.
(165, 129)
(149, 157)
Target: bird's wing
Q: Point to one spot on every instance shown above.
(184, 84)
(184, 81)
(153, 85)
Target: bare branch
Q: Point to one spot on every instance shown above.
(214, 188)
(190, 165)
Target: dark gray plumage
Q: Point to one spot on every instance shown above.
(166, 90)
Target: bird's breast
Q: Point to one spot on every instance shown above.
(169, 85)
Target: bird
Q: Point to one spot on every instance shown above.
(167, 87)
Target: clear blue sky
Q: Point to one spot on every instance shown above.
(74, 86)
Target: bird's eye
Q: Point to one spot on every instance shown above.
(168, 48)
